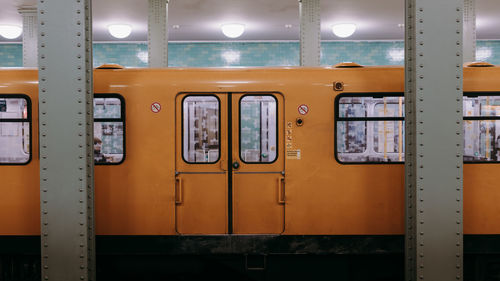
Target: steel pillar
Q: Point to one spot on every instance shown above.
(433, 148)
(30, 36)
(310, 32)
(158, 33)
(66, 139)
(434, 152)
(469, 30)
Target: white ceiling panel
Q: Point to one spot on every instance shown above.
(200, 20)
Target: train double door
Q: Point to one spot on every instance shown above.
(230, 163)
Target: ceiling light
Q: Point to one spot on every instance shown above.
(344, 30)
(10, 31)
(120, 31)
(176, 26)
(233, 30)
(288, 26)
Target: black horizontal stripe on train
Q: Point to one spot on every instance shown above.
(108, 119)
(14, 120)
(370, 119)
(481, 118)
(473, 118)
(248, 244)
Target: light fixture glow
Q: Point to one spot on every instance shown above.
(120, 31)
(10, 31)
(143, 56)
(233, 30)
(483, 53)
(344, 30)
(231, 57)
(396, 54)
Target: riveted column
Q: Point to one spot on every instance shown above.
(434, 152)
(310, 32)
(30, 36)
(66, 139)
(410, 237)
(469, 30)
(158, 33)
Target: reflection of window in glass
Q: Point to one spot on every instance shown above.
(370, 129)
(108, 130)
(384, 129)
(14, 130)
(481, 128)
(107, 108)
(351, 136)
(201, 129)
(388, 136)
(258, 129)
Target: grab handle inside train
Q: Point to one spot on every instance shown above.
(178, 191)
(281, 190)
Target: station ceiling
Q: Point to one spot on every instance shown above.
(200, 20)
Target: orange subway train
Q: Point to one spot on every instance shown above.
(253, 162)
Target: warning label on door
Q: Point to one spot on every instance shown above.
(303, 109)
(293, 154)
(156, 107)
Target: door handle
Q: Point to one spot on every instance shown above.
(178, 191)
(281, 190)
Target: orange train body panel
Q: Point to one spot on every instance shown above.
(323, 196)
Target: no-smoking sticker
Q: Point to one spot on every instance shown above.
(156, 107)
(303, 109)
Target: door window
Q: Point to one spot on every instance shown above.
(201, 127)
(258, 129)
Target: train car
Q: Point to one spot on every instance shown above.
(251, 163)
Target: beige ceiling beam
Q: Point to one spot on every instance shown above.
(30, 36)
(158, 33)
(469, 30)
(310, 32)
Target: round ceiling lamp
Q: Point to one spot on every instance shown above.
(344, 30)
(233, 30)
(120, 31)
(10, 31)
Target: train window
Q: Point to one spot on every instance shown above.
(481, 128)
(201, 137)
(258, 128)
(15, 129)
(370, 128)
(109, 127)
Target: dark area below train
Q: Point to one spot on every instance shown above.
(141, 258)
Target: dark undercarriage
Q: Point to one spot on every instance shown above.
(255, 257)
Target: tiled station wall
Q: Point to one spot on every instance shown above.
(210, 54)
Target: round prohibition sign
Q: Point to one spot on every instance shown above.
(303, 109)
(156, 107)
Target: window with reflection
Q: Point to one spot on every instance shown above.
(481, 128)
(258, 128)
(370, 128)
(201, 137)
(109, 127)
(15, 129)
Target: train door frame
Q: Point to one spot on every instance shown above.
(229, 152)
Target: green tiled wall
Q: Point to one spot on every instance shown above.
(250, 53)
